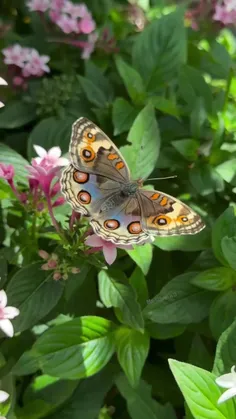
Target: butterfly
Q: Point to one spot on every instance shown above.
(97, 184)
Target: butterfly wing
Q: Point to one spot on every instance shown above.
(92, 151)
(164, 215)
(112, 217)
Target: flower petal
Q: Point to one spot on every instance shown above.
(3, 299)
(3, 82)
(54, 152)
(63, 161)
(1, 105)
(40, 151)
(94, 241)
(7, 327)
(11, 312)
(3, 396)
(227, 395)
(110, 254)
(225, 380)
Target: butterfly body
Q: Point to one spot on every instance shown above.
(97, 183)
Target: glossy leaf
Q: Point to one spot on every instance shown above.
(222, 312)
(132, 81)
(215, 279)
(225, 356)
(142, 255)
(17, 114)
(123, 115)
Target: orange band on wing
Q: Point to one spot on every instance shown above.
(155, 196)
(164, 201)
(112, 156)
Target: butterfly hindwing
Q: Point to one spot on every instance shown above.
(167, 216)
(92, 151)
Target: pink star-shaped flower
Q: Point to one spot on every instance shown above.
(38, 5)
(36, 65)
(109, 249)
(6, 171)
(14, 55)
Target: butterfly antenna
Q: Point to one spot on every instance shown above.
(161, 178)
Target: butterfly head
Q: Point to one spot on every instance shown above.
(129, 189)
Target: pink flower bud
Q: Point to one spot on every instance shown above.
(75, 270)
(56, 276)
(18, 81)
(59, 201)
(40, 206)
(52, 264)
(45, 267)
(43, 254)
(55, 189)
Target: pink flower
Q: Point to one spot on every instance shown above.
(7, 313)
(57, 5)
(14, 55)
(7, 172)
(109, 249)
(75, 10)
(67, 24)
(36, 65)
(43, 254)
(38, 5)
(87, 24)
(45, 167)
(18, 81)
(3, 397)
(90, 46)
(225, 13)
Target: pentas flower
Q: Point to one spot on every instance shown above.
(227, 381)
(36, 65)
(38, 5)
(109, 249)
(7, 313)
(46, 166)
(14, 55)
(225, 13)
(7, 172)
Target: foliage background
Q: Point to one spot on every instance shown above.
(98, 344)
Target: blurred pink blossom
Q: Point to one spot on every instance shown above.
(57, 4)
(7, 172)
(18, 81)
(14, 55)
(225, 13)
(38, 5)
(109, 249)
(67, 24)
(87, 25)
(7, 313)
(36, 65)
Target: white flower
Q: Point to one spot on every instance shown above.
(3, 397)
(227, 381)
(2, 83)
(6, 313)
(51, 157)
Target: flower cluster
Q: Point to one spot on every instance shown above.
(25, 63)
(226, 12)
(60, 268)
(72, 19)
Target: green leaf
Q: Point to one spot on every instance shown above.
(87, 399)
(17, 114)
(96, 76)
(198, 117)
(142, 256)
(51, 132)
(76, 349)
(3, 268)
(215, 279)
(132, 350)
(165, 331)
(27, 364)
(160, 49)
(201, 392)
(206, 180)
(140, 404)
(179, 302)
(115, 293)
(188, 148)
(222, 312)
(225, 356)
(227, 170)
(34, 293)
(228, 246)
(193, 86)
(9, 156)
(94, 92)
(132, 81)
(139, 284)
(123, 115)
(224, 226)
(199, 354)
(144, 138)
(165, 105)
(192, 243)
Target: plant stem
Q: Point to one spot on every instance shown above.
(54, 221)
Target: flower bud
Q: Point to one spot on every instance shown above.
(56, 276)
(52, 264)
(75, 270)
(43, 254)
(65, 276)
(45, 267)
